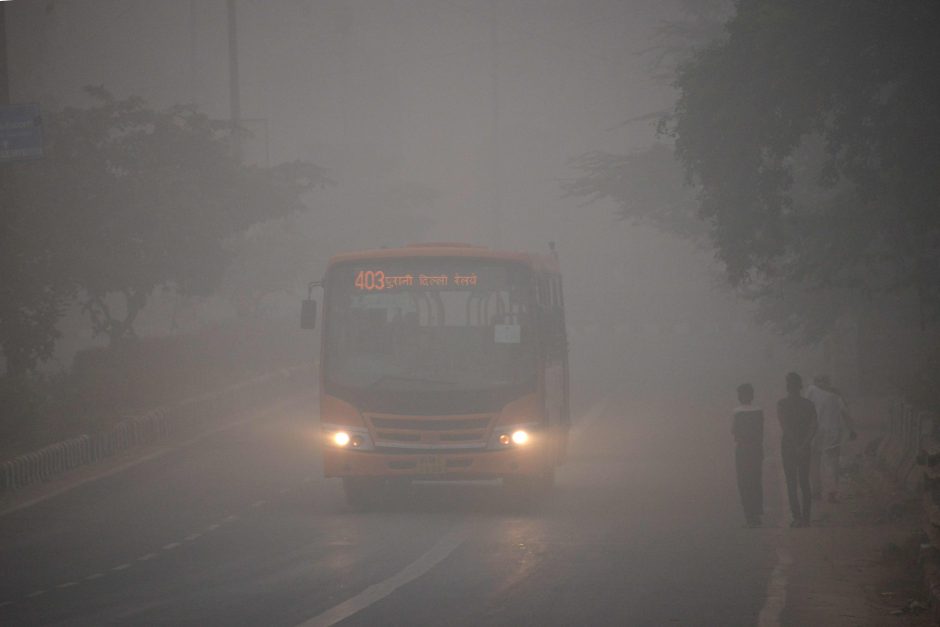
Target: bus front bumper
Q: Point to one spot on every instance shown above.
(437, 464)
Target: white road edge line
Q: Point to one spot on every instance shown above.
(596, 411)
(170, 546)
(775, 599)
(376, 592)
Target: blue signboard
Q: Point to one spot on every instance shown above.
(20, 132)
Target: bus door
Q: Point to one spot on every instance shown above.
(555, 359)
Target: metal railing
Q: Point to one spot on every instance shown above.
(909, 431)
(156, 425)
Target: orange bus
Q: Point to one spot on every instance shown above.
(442, 362)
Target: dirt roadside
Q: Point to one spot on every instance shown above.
(858, 564)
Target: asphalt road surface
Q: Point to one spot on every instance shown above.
(239, 528)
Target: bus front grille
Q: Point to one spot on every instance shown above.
(433, 432)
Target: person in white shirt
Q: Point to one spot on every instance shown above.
(747, 427)
(835, 425)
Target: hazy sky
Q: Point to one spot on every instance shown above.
(395, 93)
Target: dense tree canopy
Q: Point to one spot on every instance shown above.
(810, 132)
(807, 130)
(125, 200)
(648, 187)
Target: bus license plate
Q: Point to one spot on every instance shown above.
(431, 465)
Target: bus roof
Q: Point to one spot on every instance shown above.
(544, 263)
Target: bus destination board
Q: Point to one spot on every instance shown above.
(378, 280)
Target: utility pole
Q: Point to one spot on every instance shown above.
(193, 74)
(495, 174)
(6, 200)
(235, 108)
(4, 72)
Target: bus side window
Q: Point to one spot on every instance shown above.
(554, 326)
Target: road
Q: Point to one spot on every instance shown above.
(240, 529)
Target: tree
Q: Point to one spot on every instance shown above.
(135, 199)
(699, 24)
(806, 131)
(648, 188)
(281, 257)
(33, 292)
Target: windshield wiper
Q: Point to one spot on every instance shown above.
(395, 377)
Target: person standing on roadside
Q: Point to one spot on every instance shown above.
(748, 430)
(834, 422)
(798, 425)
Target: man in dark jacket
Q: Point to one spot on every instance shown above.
(797, 416)
(748, 430)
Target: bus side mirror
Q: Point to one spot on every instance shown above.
(308, 314)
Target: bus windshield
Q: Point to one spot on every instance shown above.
(431, 323)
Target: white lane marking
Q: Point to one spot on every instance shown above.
(258, 504)
(170, 546)
(596, 411)
(145, 458)
(213, 527)
(37, 593)
(284, 490)
(94, 576)
(67, 584)
(376, 592)
(775, 599)
(192, 536)
(308, 479)
(121, 567)
(6, 603)
(229, 519)
(147, 557)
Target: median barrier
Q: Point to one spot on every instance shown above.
(181, 418)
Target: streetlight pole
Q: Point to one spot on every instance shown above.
(193, 75)
(4, 72)
(495, 174)
(235, 108)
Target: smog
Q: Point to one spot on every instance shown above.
(469, 312)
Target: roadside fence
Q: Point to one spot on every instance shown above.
(910, 454)
(909, 432)
(156, 425)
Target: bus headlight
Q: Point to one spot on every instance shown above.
(512, 436)
(341, 436)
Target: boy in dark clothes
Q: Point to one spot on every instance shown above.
(748, 430)
(797, 416)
